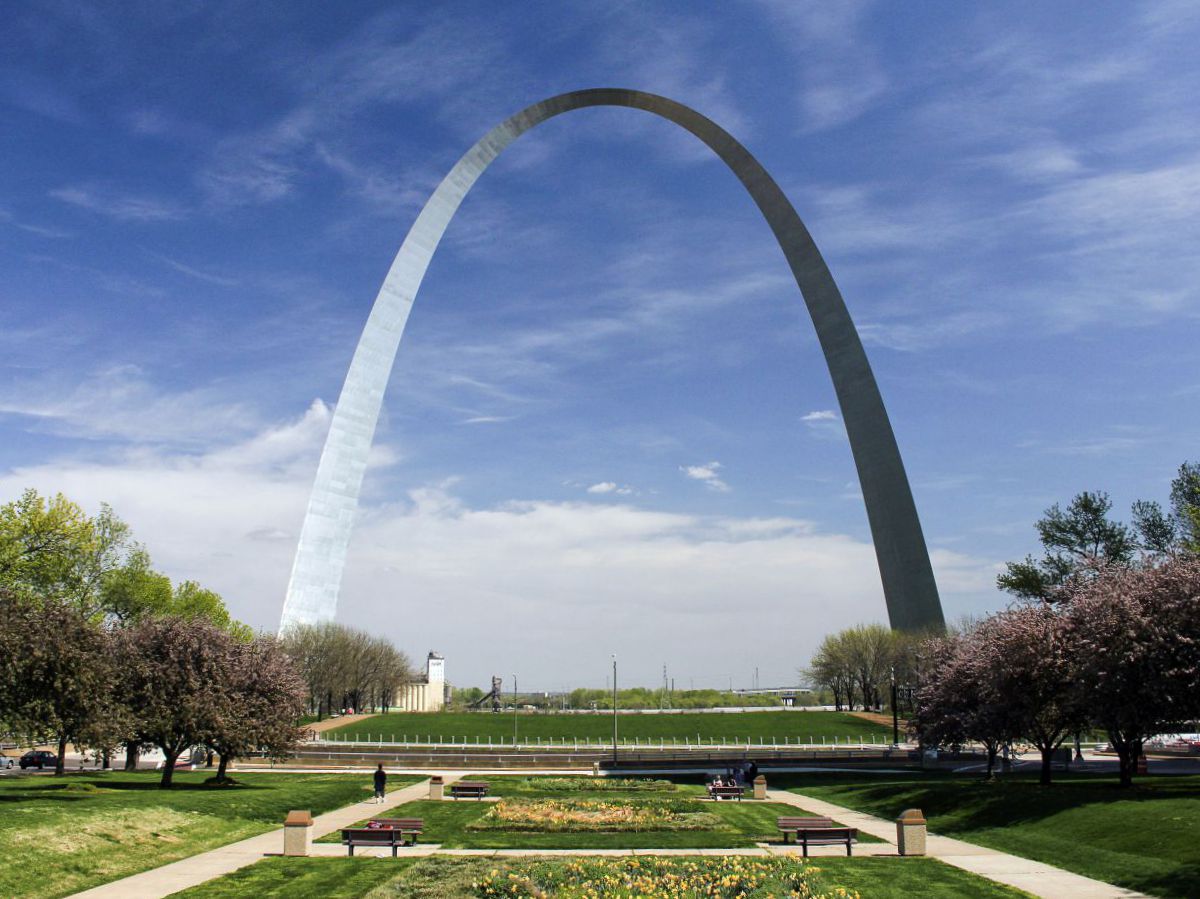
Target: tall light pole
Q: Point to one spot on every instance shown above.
(614, 658)
(514, 711)
(895, 712)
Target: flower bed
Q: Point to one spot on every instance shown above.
(595, 815)
(599, 784)
(673, 878)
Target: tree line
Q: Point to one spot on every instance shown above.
(857, 666)
(345, 668)
(99, 651)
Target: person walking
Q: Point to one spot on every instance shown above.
(380, 784)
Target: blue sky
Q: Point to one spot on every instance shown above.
(610, 428)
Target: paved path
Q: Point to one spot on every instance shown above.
(190, 872)
(1033, 877)
(320, 727)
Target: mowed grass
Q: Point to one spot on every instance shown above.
(302, 878)
(453, 878)
(706, 726)
(62, 835)
(1146, 838)
(743, 824)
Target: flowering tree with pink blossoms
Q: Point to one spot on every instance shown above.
(958, 700)
(1030, 664)
(1136, 634)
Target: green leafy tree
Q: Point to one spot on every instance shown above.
(135, 591)
(1185, 506)
(43, 545)
(1072, 539)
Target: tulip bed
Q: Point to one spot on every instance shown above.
(592, 815)
(670, 878)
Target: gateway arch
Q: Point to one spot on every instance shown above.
(908, 584)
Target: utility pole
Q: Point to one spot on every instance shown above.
(614, 658)
(514, 711)
(895, 712)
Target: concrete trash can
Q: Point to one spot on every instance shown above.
(437, 788)
(910, 832)
(760, 787)
(297, 833)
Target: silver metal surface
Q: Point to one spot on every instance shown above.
(908, 584)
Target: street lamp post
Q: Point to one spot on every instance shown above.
(614, 658)
(514, 711)
(895, 712)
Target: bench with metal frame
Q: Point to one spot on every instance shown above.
(817, 832)
(476, 788)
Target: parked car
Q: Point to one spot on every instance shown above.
(38, 758)
(6, 761)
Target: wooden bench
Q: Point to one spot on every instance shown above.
(817, 832)
(476, 788)
(372, 836)
(726, 793)
(407, 827)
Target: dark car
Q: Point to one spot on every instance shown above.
(38, 758)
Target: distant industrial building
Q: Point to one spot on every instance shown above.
(429, 693)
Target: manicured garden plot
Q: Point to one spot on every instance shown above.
(62, 835)
(690, 726)
(561, 813)
(1146, 838)
(463, 878)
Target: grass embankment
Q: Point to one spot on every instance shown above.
(597, 727)
(62, 835)
(1146, 838)
(454, 878)
(468, 824)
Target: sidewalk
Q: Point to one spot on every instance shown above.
(1033, 877)
(190, 872)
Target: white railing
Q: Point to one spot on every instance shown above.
(598, 744)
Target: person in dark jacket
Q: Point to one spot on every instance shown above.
(380, 783)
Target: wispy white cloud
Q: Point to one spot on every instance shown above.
(120, 206)
(824, 423)
(605, 487)
(122, 403)
(39, 230)
(486, 419)
(840, 72)
(707, 475)
(198, 274)
(1122, 441)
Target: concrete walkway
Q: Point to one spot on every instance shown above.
(190, 872)
(1033, 877)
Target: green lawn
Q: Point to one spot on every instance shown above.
(62, 835)
(706, 726)
(453, 878)
(742, 824)
(1146, 839)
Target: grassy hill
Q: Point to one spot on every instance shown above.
(767, 726)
